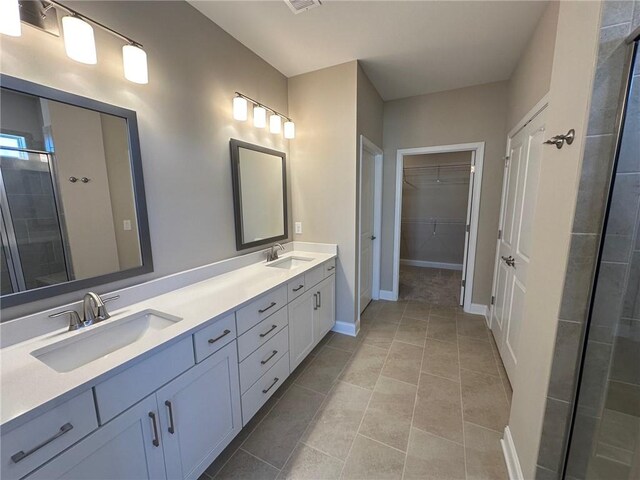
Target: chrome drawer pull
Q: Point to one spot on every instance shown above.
(156, 438)
(319, 300)
(171, 428)
(266, 360)
(262, 335)
(21, 455)
(273, 304)
(275, 380)
(315, 301)
(224, 334)
(331, 268)
(297, 289)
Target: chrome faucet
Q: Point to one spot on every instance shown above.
(94, 309)
(272, 253)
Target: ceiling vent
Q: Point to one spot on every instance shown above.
(299, 6)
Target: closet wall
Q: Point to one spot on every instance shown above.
(434, 209)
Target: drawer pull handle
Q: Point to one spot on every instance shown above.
(262, 335)
(315, 301)
(224, 334)
(297, 289)
(319, 300)
(273, 304)
(266, 360)
(156, 438)
(275, 380)
(171, 428)
(21, 455)
(331, 268)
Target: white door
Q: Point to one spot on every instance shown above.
(522, 170)
(301, 330)
(324, 317)
(367, 235)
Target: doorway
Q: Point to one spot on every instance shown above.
(437, 209)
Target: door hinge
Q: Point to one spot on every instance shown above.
(499, 234)
(468, 228)
(506, 161)
(464, 283)
(493, 299)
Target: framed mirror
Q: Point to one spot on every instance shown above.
(72, 204)
(259, 194)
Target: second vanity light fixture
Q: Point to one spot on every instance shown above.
(79, 41)
(240, 112)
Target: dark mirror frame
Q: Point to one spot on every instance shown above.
(30, 88)
(237, 192)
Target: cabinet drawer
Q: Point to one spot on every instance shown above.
(313, 277)
(329, 267)
(262, 390)
(32, 444)
(212, 338)
(118, 393)
(250, 315)
(257, 364)
(261, 333)
(295, 288)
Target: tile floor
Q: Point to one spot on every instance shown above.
(419, 394)
(431, 285)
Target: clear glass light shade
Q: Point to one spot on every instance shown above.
(289, 130)
(79, 42)
(240, 108)
(275, 124)
(134, 60)
(10, 18)
(259, 117)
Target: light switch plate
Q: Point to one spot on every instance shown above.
(127, 224)
(298, 228)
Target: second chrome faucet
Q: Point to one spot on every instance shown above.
(93, 308)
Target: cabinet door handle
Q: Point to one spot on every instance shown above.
(297, 289)
(315, 301)
(156, 438)
(224, 334)
(319, 300)
(273, 304)
(171, 428)
(266, 360)
(21, 455)
(331, 268)
(275, 380)
(262, 335)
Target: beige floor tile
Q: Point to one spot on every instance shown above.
(403, 362)
(395, 307)
(243, 466)
(345, 342)
(286, 422)
(483, 400)
(364, 367)
(324, 370)
(442, 328)
(474, 326)
(379, 334)
(307, 463)
(433, 458)
(444, 311)
(370, 460)
(438, 408)
(484, 457)
(441, 358)
(417, 310)
(412, 330)
(388, 317)
(388, 416)
(477, 355)
(336, 423)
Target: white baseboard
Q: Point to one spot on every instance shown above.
(478, 309)
(346, 328)
(426, 264)
(511, 456)
(387, 295)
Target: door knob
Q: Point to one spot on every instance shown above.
(373, 237)
(510, 261)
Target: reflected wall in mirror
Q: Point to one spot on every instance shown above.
(71, 199)
(260, 194)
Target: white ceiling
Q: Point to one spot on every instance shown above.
(406, 47)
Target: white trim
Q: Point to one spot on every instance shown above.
(347, 328)
(387, 295)
(475, 188)
(478, 309)
(531, 114)
(511, 456)
(427, 264)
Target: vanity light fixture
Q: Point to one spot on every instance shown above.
(240, 104)
(10, 18)
(134, 60)
(79, 42)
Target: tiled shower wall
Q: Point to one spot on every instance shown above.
(617, 21)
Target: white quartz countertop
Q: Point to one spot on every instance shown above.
(29, 387)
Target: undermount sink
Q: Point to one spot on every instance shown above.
(98, 341)
(289, 263)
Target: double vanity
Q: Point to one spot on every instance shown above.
(161, 387)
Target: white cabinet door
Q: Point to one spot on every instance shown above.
(200, 413)
(325, 316)
(128, 447)
(301, 332)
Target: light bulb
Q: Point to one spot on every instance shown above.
(134, 60)
(259, 117)
(240, 108)
(10, 18)
(289, 130)
(78, 40)
(275, 123)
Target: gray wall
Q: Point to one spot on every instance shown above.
(184, 114)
